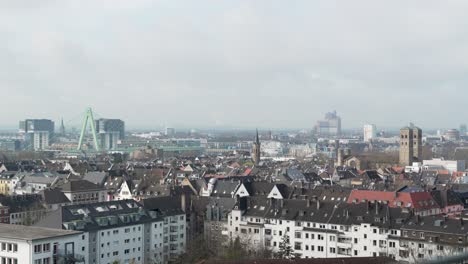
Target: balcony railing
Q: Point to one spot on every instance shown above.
(67, 258)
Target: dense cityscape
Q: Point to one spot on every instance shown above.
(233, 132)
(103, 194)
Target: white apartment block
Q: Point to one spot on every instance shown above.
(36, 245)
(124, 232)
(340, 230)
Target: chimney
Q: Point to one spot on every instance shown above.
(308, 203)
(318, 205)
(376, 208)
(347, 213)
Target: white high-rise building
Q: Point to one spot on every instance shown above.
(370, 132)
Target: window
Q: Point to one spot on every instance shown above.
(320, 248)
(37, 249)
(332, 250)
(297, 246)
(46, 247)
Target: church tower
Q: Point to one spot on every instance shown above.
(62, 128)
(256, 150)
(410, 145)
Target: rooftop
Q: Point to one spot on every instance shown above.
(31, 233)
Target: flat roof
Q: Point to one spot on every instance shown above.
(31, 232)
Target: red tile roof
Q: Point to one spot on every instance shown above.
(418, 200)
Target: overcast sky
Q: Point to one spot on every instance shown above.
(238, 63)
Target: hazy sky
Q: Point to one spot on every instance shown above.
(240, 63)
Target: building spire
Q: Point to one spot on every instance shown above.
(257, 138)
(62, 127)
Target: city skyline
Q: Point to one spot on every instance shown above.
(232, 64)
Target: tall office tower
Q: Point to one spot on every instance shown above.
(109, 132)
(331, 126)
(410, 145)
(38, 133)
(370, 132)
(463, 130)
(170, 131)
(256, 150)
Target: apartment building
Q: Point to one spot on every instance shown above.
(318, 229)
(123, 231)
(36, 245)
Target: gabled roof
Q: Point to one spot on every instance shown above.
(54, 196)
(79, 186)
(418, 200)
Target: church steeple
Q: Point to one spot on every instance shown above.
(257, 138)
(62, 128)
(256, 149)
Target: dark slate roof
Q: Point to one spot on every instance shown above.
(259, 188)
(88, 215)
(79, 186)
(372, 175)
(327, 212)
(225, 188)
(167, 205)
(95, 177)
(54, 196)
(295, 175)
(446, 198)
(437, 224)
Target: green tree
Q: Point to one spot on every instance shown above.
(285, 249)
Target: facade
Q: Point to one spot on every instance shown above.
(123, 231)
(370, 132)
(317, 229)
(450, 165)
(38, 133)
(110, 132)
(452, 135)
(331, 126)
(34, 245)
(410, 145)
(82, 191)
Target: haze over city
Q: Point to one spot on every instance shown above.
(271, 64)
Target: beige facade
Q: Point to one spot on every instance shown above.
(410, 145)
